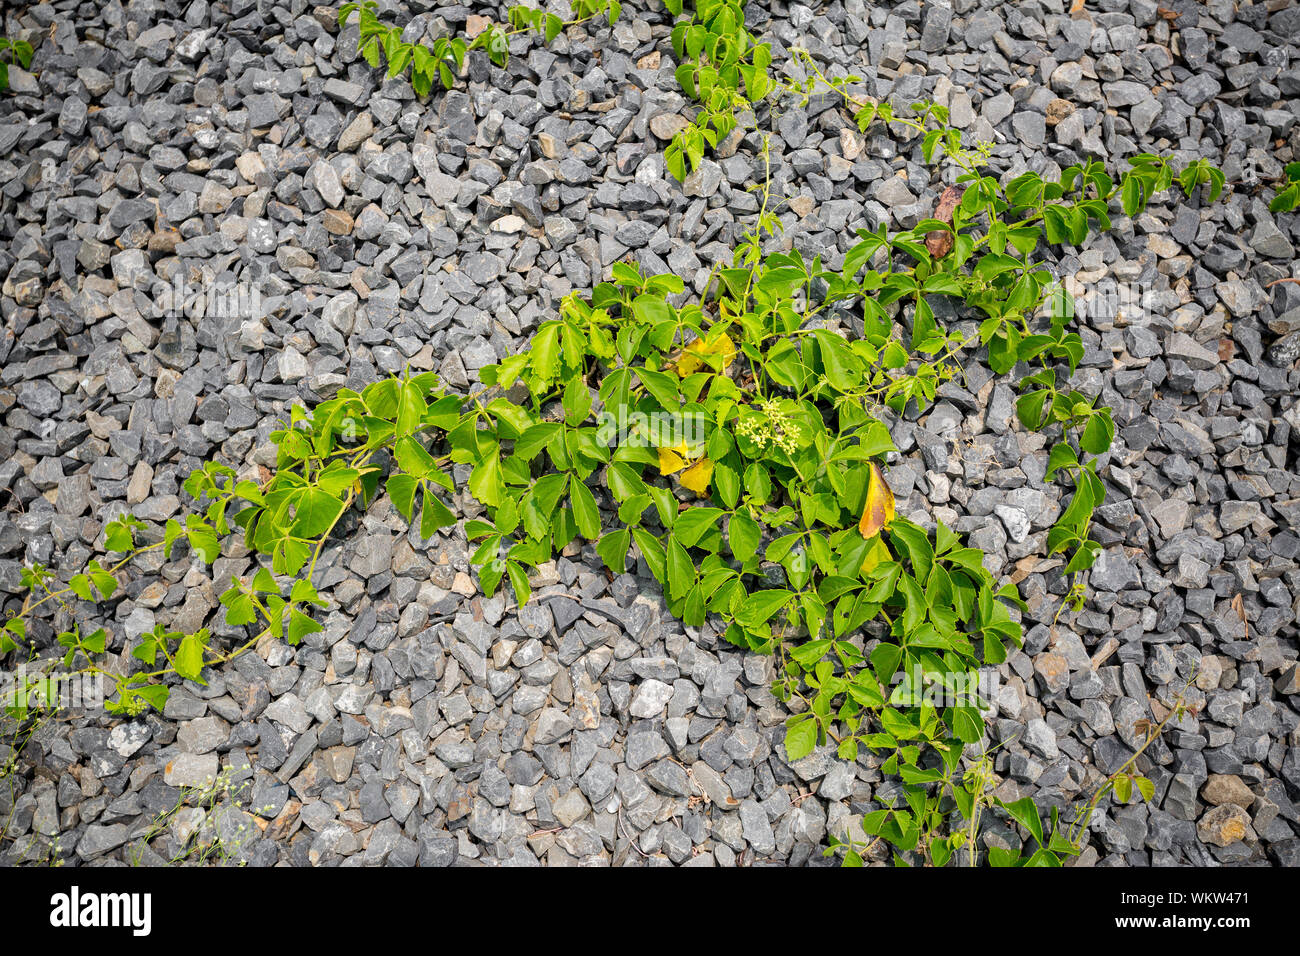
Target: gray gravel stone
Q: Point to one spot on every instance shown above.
(429, 724)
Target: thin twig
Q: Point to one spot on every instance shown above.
(630, 839)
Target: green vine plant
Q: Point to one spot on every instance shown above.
(722, 67)
(739, 439)
(11, 52)
(445, 59)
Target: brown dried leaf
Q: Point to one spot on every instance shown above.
(1024, 568)
(1239, 605)
(286, 822)
(938, 243)
(1170, 15)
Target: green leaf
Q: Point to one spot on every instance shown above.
(585, 513)
(843, 370)
(743, 536)
(624, 482)
(489, 576)
(553, 27)
(759, 606)
(412, 457)
(967, 724)
(101, 580)
(1002, 857)
(289, 555)
(944, 539)
(95, 643)
(674, 159)
(810, 653)
(532, 441)
(203, 539)
(518, 582)
(317, 510)
(800, 738)
(665, 388)
(923, 323)
(410, 408)
(1146, 788)
(546, 353)
(941, 851)
(485, 482)
(118, 536)
(435, 514)
(421, 78)
(1123, 788)
(1030, 408)
(577, 401)
(300, 625)
(1286, 200)
(1043, 857)
(693, 523)
(153, 694)
(651, 308)
(1131, 195)
(240, 609)
(782, 280)
(914, 606)
(401, 488)
(80, 586)
(188, 658)
(613, 548)
(652, 551)
(147, 649)
(1025, 813)
(916, 543)
(304, 592)
(1062, 456)
(680, 569)
(685, 76)
(1098, 433)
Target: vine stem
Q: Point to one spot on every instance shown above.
(1080, 823)
(50, 595)
(960, 159)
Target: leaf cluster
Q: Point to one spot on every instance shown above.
(442, 61)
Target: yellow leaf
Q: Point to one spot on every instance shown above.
(670, 461)
(875, 554)
(879, 510)
(693, 356)
(697, 476)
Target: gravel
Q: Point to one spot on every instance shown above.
(426, 724)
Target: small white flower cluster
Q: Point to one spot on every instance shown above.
(774, 428)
